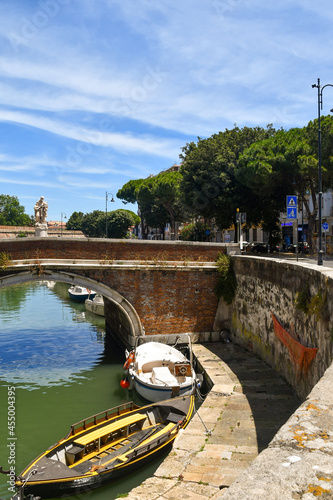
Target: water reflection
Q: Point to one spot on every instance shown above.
(39, 345)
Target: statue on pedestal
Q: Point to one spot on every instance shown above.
(41, 207)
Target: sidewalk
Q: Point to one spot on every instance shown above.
(246, 406)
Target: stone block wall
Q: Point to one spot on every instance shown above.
(272, 285)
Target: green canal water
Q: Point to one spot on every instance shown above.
(54, 371)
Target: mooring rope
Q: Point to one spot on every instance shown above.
(208, 432)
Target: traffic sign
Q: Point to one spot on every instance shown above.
(292, 206)
(291, 213)
(292, 200)
(325, 226)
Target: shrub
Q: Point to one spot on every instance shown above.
(227, 283)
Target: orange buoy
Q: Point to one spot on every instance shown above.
(124, 384)
(129, 360)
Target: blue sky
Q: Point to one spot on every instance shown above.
(94, 93)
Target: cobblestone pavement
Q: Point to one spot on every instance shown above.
(246, 406)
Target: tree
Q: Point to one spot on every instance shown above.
(93, 224)
(288, 163)
(12, 213)
(267, 169)
(135, 218)
(208, 186)
(196, 231)
(75, 221)
(308, 168)
(159, 199)
(119, 223)
(129, 194)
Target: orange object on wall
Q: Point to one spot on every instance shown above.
(302, 356)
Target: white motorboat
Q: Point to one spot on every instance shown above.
(159, 371)
(80, 294)
(95, 305)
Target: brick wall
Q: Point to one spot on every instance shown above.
(58, 248)
(167, 301)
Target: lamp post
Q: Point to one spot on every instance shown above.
(320, 190)
(62, 214)
(106, 211)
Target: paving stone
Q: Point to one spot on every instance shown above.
(241, 414)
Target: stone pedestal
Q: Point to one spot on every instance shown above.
(40, 230)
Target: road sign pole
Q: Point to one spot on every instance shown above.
(296, 239)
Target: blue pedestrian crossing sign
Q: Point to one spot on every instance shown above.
(291, 213)
(292, 206)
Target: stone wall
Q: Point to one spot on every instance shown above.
(268, 286)
(30, 232)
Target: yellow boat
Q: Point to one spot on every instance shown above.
(106, 446)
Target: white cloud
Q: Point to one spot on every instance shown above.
(122, 142)
(112, 90)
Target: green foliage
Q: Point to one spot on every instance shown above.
(75, 221)
(315, 305)
(135, 218)
(252, 169)
(12, 213)
(209, 186)
(128, 193)
(119, 222)
(159, 199)
(303, 298)
(227, 283)
(93, 224)
(5, 260)
(195, 231)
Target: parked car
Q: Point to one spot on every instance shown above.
(262, 247)
(303, 247)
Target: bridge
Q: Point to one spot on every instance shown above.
(168, 287)
(149, 287)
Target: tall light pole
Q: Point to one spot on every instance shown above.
(106, 211)
(320, 189)
(62, 214)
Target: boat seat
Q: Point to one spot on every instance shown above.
(74, 454)
(163, 375)
(174, 417)
(104, 431)
(152, 417)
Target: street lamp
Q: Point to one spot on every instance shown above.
(106, 211)
(320, 192)
(65, 217)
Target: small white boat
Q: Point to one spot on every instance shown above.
(80, 294)
(158, 371)
(95, 305)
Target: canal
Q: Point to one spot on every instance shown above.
(54, 371)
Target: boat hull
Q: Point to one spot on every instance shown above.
(82, 485)
(156, 393)
(80, 297)
(94, 307)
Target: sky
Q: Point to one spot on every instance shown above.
(94, 93)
